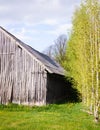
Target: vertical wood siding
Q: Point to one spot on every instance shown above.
(22, 79)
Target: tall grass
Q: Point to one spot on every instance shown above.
(50, 117)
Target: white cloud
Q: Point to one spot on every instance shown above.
(64, 28)
(50, 22)
(21, 34)
(33, 11)
(61, 29)
(24, 18)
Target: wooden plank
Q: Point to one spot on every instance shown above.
(21, 77)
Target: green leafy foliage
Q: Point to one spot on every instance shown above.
(83, 53)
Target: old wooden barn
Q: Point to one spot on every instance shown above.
(26, 75)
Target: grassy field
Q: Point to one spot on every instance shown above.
(51, 117)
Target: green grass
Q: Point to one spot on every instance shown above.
(51, 117)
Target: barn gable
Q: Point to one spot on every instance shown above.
(50, 64)
(24, 72)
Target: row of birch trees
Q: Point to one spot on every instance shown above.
(83, 54)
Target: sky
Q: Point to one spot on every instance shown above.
(37, 23)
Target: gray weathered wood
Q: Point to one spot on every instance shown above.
(20, 74)
(26, 75)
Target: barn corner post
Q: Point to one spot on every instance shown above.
(44, 94)
(0, 100)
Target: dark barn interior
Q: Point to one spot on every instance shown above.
(56, 88)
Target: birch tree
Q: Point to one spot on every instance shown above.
(83, 53)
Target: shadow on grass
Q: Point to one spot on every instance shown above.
(72, 94)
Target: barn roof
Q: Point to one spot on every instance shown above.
(51, 65)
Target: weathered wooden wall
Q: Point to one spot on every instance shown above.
(22, 78)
